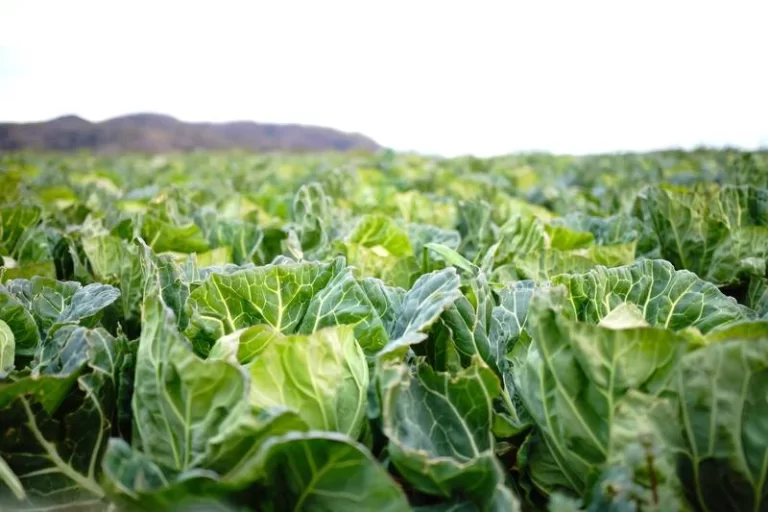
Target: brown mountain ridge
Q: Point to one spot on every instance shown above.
(155, 133)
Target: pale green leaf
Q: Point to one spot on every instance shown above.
(668, 298)
(453, 258)
(115, 261)
(21, 323)
(179, 400)
(343, 301)
(322, 471)
(244, 345)
(322, 376)
(589, 390)
(165, 235)
(721, 234)
(15, 220)
(277, 295)
(7, 349)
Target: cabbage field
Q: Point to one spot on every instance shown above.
(388, 332)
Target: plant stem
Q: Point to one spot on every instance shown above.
(654, 481)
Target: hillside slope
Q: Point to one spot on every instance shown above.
(153, 133)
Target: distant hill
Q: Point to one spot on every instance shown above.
(153, 133)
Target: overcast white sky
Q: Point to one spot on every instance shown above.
(476, 77)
